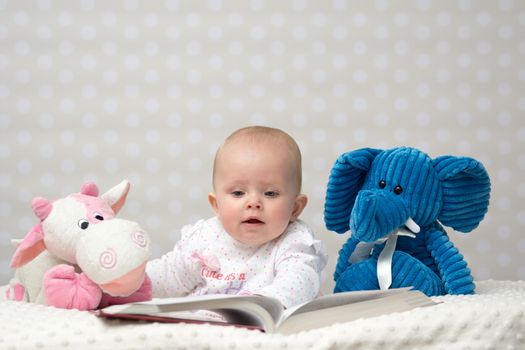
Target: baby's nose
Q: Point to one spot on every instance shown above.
(254, 203)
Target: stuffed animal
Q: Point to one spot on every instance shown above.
(395, 202)
(79, 256)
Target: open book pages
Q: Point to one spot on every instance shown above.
(250, 311)
(350, 306)
(267, 314)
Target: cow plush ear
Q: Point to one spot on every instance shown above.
(30, 247)
(345, 181)
(89, 189)
(116, 196)
(41, 207)
(466, 192)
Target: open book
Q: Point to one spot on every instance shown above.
(267, 314)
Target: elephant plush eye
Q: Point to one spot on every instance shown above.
(99, 217)
(382, 184)
(398, 189)
(83, 224)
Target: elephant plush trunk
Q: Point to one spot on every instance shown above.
(377, 213)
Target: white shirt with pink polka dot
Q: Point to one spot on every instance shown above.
(207, 260)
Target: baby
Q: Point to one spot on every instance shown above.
(255, 244)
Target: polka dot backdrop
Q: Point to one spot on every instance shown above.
(103, 91)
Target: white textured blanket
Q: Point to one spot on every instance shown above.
(492, 319)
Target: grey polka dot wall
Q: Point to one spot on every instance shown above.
(147, 91)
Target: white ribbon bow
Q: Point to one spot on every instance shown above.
(384, 261)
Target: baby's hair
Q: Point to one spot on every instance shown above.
(262, 134)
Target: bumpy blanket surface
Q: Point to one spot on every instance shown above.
(494, 318)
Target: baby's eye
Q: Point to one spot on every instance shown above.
(271, 194)
(237, 193)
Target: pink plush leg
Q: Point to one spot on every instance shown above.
(66, 289)
(144, 293)
(15, 291)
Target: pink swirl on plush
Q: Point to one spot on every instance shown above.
(139, 238)
(108, 259)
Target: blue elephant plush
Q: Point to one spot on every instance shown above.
(395, 202)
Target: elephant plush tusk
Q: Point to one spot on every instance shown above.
(412, 226)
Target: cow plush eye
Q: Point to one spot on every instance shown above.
(382, 184)
(99, 217)
(398, 189)
(83, 224)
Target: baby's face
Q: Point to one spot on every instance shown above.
(256, 192)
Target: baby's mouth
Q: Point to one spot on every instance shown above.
(252, 221)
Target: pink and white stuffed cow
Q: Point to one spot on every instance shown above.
(79, 255)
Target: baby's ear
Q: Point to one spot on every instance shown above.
(300, 203)
(212, 199)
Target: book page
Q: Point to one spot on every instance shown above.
(259, 311)
(195, 315)
(336, 299)
(245, 317)
(316, 318)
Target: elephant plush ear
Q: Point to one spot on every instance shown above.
(345, 181)
(466, 192)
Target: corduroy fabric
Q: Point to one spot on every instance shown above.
(466, 192)
(344, 257)
(346, 179)
(373, 192)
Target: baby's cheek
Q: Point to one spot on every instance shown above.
(228, 219)
(282, 217)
